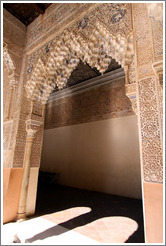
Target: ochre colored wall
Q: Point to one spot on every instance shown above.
(12, 178)
(101, 156)
(153, 209)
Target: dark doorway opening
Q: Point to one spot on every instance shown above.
(55, 199)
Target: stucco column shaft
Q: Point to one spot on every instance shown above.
(25, 180)
(31, 127)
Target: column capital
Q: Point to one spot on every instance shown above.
(32, 127)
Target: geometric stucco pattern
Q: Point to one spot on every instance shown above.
(160, 101)
(20, 144)
(148, 106)
(150, 131)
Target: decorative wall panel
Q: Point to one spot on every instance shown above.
(150, 131)
(148, 101)
(20, 144)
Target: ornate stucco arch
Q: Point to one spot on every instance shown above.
(97, 46)
(98, 52)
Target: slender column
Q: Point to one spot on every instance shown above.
(31, 128)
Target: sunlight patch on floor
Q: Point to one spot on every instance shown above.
(109, 229)
(30, 228)
(67, 214)
(48, 229)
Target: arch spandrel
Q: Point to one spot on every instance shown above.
(116, 19)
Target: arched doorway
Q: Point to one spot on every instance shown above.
(90, 142)
(64, 58)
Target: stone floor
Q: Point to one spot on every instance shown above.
(67, 215)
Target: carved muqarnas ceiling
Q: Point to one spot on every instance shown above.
(84, 72)
(26, 12)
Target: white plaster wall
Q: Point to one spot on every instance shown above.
(101, 156)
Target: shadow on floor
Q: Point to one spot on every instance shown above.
(55, 198)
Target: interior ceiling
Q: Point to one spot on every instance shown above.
(84, 72)
(26, 12)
